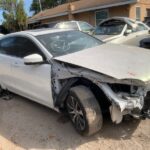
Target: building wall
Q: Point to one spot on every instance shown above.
(114, 11)
(144, 5)
(119, 11)
(126, 11)
(61, 18)
(86, 16)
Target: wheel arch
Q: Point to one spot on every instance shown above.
(96, 90)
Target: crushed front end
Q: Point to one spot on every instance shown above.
(127, 96)
(127, 100)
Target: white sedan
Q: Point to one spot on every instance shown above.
(122, 30)
(76, 25)
(70, 71)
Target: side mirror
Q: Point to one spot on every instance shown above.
(127, 32)
(33, 59)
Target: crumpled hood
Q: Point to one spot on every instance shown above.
(107, 38)
(117, 61)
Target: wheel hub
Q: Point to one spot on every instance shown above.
(76, 113)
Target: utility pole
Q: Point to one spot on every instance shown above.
(40, 5)
(70, 15)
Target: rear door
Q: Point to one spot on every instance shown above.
(6, 48)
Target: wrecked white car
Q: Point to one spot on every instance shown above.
(72, 72)
(122, 30)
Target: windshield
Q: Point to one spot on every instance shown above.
(66, 42)
(111, 27)
(85, 26)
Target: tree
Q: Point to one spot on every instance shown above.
(35, 7)
(46, 4)
(21, 16)
(14, 14)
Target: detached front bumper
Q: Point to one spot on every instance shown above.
(124, 103)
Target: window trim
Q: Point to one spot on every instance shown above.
(106, 10)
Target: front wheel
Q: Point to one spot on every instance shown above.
(84, 111)
(1, 91)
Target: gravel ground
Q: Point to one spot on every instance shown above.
(27, 125)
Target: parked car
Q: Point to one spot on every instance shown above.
(76, 25)
(45, 25)
(145, 43)
(147, 21)
(73, 72)
(122, 30)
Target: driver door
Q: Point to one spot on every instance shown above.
(31, 81)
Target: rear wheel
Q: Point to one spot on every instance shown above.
(84, 111)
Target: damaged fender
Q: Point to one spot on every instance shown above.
(122, 103)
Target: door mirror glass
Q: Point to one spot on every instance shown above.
(127, 32)
(33, 59)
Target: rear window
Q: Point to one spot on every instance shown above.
(67, 25)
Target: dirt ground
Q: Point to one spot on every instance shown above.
(27, 125)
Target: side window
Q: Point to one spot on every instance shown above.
(141, 27)
(130, 28)
(101, 15)
(19, 47)
(26, 47)
(7, 46)
(85, 26)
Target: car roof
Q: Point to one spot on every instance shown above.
(122, 18)
(72, 21)
(129, 21)
(38, 32)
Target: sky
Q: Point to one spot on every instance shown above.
(27, 4)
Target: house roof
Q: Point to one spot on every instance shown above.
(77, 7)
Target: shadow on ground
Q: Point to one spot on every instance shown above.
(30, 125)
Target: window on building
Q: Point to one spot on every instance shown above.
(101, 15)
(138, 13)
(148, 12)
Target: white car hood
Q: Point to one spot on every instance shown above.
(117, 61)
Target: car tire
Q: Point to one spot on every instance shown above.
(84, 111)
(1, 91)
